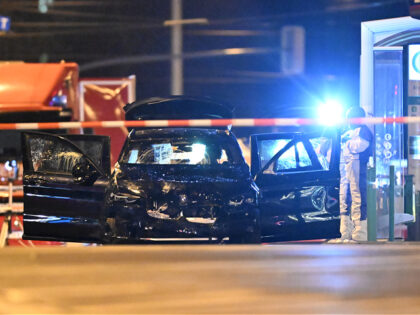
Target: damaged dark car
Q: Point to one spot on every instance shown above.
(181, 184)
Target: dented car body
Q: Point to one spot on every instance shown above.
(181, 184)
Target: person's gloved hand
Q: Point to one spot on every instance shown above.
(345, 137)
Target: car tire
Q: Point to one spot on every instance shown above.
(251, 236)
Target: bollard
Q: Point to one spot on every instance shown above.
(391, 202)
(414, 228)
(10, 194)
(4, 228)
(409, 198)
(371, 204)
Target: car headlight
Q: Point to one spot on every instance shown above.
(241, 199)
(236, 201)
(249, 200)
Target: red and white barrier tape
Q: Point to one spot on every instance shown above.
(241, 122)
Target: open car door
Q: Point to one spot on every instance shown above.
(65, 180)
(298, 176)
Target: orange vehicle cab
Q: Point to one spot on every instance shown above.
(30, 92)
(35, 92)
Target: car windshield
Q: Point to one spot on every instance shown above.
(187, 151)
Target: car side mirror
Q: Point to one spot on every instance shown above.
(84, 174)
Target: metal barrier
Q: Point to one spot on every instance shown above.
(371, 204)
(411, 205)
(409, 197)
(391, 202)
(414, 228)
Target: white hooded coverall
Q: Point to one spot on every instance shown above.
(356, 150)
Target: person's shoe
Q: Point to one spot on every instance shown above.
(346, 227)
(360, 231)
(337, 241)
(350, 242)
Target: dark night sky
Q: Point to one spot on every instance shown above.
(92, 30)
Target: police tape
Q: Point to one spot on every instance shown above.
(238, 122)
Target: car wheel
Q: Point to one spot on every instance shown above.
(246, 238)
(252, 235)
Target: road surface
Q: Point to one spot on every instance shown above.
(213, 279)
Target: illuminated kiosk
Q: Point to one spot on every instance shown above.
(390, 87)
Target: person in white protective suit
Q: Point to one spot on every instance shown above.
(356, 148)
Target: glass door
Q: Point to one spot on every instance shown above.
(389, 138)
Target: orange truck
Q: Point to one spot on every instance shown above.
(34, 92)
(29, 92)
(52, 92)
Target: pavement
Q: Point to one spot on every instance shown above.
(212, 279)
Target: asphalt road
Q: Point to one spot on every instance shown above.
(220, 279)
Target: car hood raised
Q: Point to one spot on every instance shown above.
(176, 107)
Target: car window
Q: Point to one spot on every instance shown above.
(52, 156)
(187, 152)
(268, 148)
(295, 158)
(304, 159)
(286, 161)
(293, 152)
(322, 147)
(93, 149)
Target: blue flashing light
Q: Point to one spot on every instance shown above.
(4, 23)
(330, 113)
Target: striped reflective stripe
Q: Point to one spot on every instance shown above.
(27, 126)
(156, 123)
(239, 122)
(200, 123)
(68, 125)
(113, 124)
